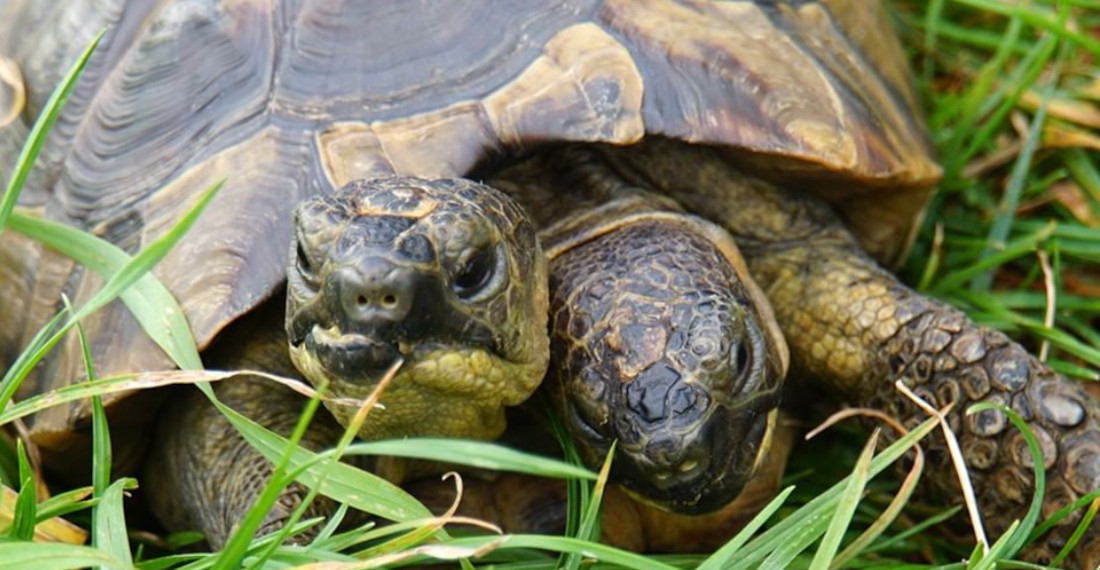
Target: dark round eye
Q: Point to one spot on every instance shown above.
(475, 274)
(742, 362)
(305, 266)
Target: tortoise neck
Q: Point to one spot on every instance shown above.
(575, 190)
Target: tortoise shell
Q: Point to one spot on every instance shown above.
(285, 99)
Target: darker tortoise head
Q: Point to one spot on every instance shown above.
(659, 345)
(444, 274)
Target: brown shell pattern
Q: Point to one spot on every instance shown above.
(287, 99)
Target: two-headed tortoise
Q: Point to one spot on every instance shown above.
(343, 130)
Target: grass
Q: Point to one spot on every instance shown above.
(1013, 236)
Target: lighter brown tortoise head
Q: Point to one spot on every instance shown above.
(444, 274)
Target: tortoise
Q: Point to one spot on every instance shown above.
(683, 190)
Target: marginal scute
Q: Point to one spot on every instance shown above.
(351, 151)
(262, 176)
(760, 90)
(442, 144)
(585, 87)
(12, 94)
(821, 36)
(862, 22)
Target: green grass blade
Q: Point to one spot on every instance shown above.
(148, 299)
(331, 525)
(54, 556)
(26, 506)
(590, 523)
(101, 436)
(1006, 212)
(818, 509)
(478, 454)
(998, 551)
(209, 560)
(238, 544)
(1078, 532)
(64, 503)
(589, 528)
(1027, 525)
(42, 126)
(109, 521)
(723, 555)
(119, 282)
(1016, 248)
(109, 534)
(1062, 513)
(564, 544)
(345, 484)
(1028, 72)
(914, 530)
(969, 111)
(1041, 19)
(846, 508)
(933, 16)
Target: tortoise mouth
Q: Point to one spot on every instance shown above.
(709, 472)
(350, 355)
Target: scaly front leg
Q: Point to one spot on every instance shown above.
(851, 323)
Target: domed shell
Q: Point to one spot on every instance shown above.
(284, 100)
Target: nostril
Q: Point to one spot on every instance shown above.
(361, 301)
(389, 301)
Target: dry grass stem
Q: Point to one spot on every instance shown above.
(901, 498)
(1051, 304)
(956, 458)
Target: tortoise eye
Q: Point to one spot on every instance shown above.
(305, 266)
(475, 274)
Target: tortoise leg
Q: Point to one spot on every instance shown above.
(850, 323)
(202, 475)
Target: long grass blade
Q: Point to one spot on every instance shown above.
(119, 282)
(1027, 524)
(40, 131)
(846, 507)
(478, 454)
(724, 555)
(148, 299)
(26, 505)
(589, 528)
(110, 535)
(53, 556)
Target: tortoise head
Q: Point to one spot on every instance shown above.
(663, 344)
(446, 275)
